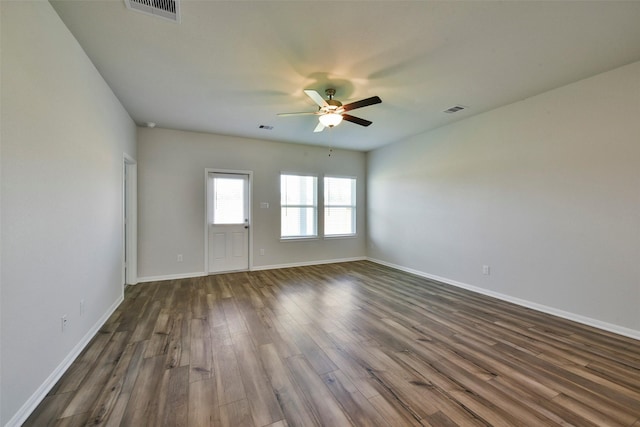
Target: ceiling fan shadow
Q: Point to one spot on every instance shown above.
(319, 81)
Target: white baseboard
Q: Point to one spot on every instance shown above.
(306, 263)
(253, 268)
(616, 329)
(30, 405)
(171, 277)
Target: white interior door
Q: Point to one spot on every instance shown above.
(228, 222)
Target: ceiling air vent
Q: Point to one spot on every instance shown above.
(454, 109)
(167, 9)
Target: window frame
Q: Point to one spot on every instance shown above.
(353, 206)
(314, 207)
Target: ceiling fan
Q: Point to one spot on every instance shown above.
(331, 112)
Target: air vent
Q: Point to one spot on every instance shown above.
(454, 109)
(167, 9)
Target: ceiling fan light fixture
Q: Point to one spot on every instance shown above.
(330, 120)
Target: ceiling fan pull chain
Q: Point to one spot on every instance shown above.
(330, 141)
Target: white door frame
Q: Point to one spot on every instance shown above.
(207, 171)
(130, 226)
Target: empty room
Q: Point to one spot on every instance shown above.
(319, 213)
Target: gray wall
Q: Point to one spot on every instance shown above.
(545, 191)
(63, 138)
(171, 199)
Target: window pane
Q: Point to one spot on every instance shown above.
(339, 191)
(228, 202)
(298, 222)
(339, 221)
(297, 190)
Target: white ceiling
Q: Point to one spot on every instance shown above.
(231, 66)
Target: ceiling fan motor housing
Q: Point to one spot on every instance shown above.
(332, 102)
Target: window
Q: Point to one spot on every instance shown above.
(229, 200)
(298, 206)
(339, 206)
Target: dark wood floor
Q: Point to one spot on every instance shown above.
(336, 345)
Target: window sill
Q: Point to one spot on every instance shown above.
(341, 236)
(298, 239)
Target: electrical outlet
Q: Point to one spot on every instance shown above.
(486, 270)
(64, 323)
(261, 251)
(180, 258)
(81, 307)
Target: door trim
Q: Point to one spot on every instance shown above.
(207, 171)
(130, 227)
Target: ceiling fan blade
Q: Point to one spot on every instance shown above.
(306, 113)
(362, 103)
(356, 120)
(319, 128)
(316, 97)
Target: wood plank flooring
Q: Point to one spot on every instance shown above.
(338, 345)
